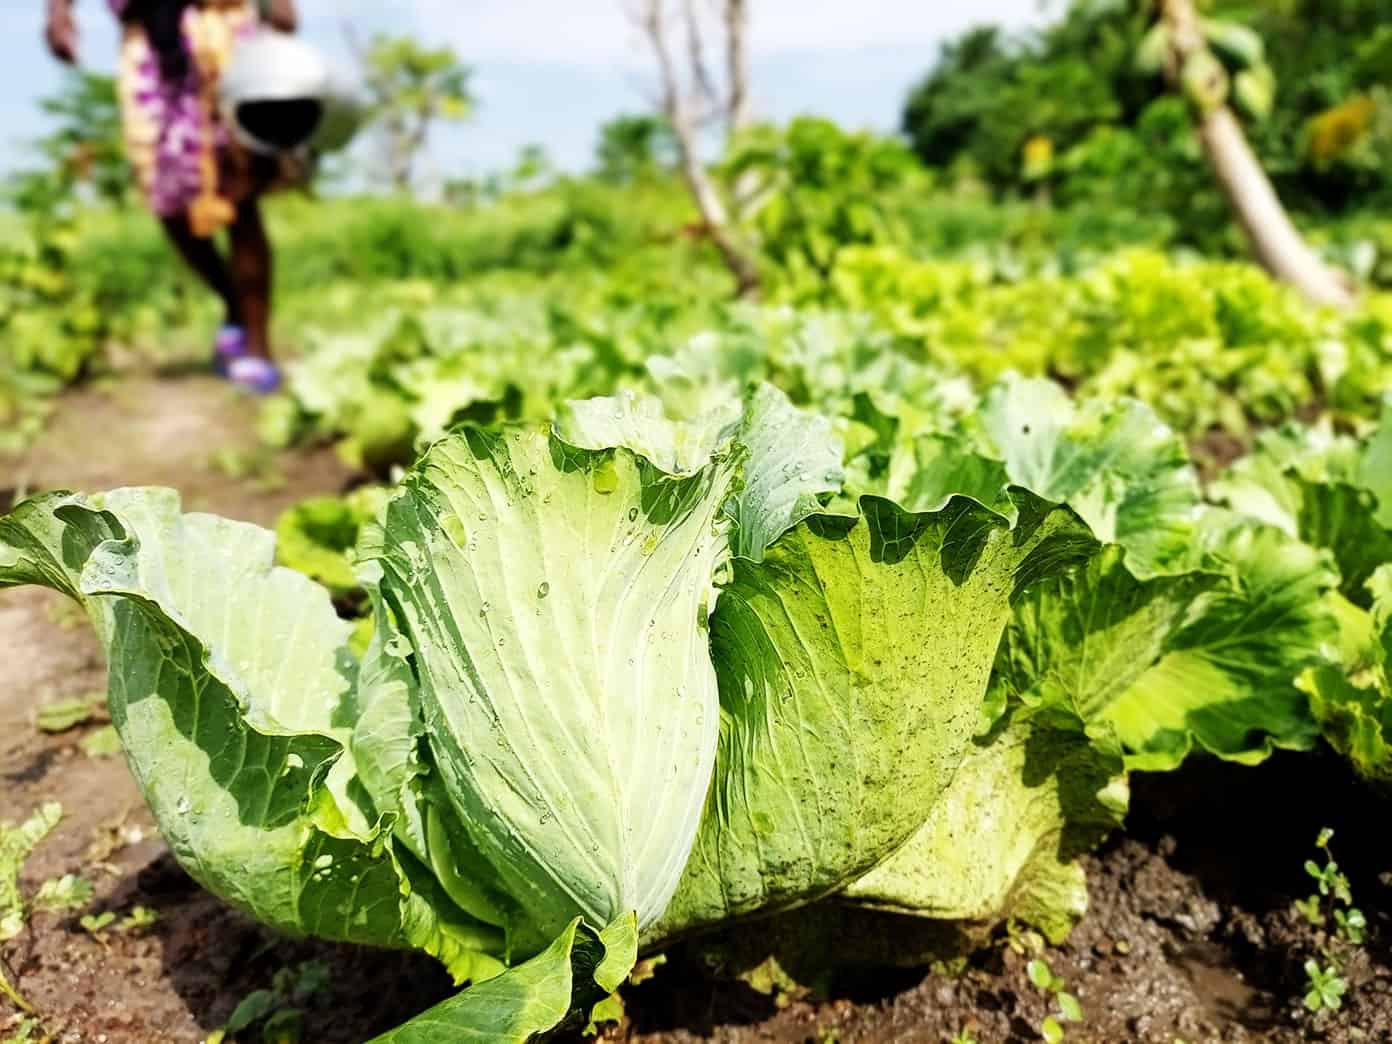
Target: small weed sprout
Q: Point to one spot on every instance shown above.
(1025, 942)
(65, 894)
(1069, 1010)
(277, 1010)
(1327, 986)
(13, 995)
(138, 920)
(25, 1032)
(1331, 902)
(96, 924)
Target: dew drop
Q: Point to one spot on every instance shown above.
(633, 514)
(606, 478)
(485, 609)
(453, 526)
(183, 806)
(543, 590)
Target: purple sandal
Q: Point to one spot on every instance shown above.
(255, 374)
(230, 344)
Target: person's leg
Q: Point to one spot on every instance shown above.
(251, 276)
(202, 256)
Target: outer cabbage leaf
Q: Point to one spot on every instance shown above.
(639, 424)
(793, 458)
(395, 768)
(1113, 462)
(1156, 667)
(1355, 712)
(1226, 682)
(575, 971)
(1324, 489)
(1335, 493)
(1375, 468)
(852, 663)
(790, 457)
(1356, 720)
(1005, 839)
(556, 601)
(231, 690)
(1080, 641)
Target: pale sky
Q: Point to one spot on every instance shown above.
(551, 71)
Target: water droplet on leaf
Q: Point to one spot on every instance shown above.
(606, 478)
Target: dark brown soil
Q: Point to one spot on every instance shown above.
(1191, 935)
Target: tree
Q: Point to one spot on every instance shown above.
(990, 94)
(1187, 44)
(532, 169)
(411, 87)
(692, 102)
(634, 148)
(83, 152)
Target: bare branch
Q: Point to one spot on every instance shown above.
(685, 123)
(703, 86)
(737, 108)
(652, 16)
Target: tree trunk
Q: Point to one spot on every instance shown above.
(737, 63)
(712, 208)
(1275, 241)
(679, 111)
(399, 158)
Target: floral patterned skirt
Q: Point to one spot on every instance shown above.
(184, 157)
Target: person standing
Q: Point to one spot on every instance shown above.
(194, 176)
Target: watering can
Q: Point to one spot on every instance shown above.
(280, 94)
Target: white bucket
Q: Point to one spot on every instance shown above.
(271, 67)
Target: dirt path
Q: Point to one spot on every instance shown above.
(181, 979)
(1191, 935)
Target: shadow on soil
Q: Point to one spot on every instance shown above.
(1192, 934)
(214, 956)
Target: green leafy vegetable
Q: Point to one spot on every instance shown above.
(658, 672)
(574, 972)
(1003, 843)
(1207, 659)
(17, 841)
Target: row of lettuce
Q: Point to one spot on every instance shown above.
(693, 653)
(1216, 348)
(840, 221)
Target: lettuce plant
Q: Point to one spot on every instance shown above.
(633, 678)
(1334, 493)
